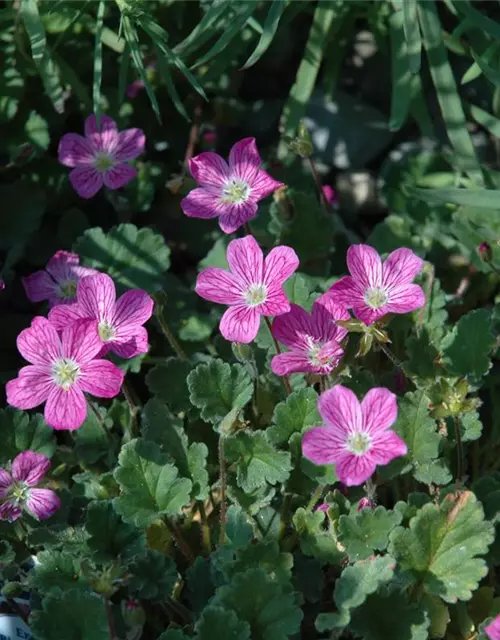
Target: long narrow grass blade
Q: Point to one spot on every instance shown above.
(70, 77)
(34, 28)
(486, 120)
(123, 75)
(49, 73)
(492, 74)
(477, 20)
(205, 30)
(96, 86)
(270, 28)
(164, 71)
(412, 34)
(479, 198)
(401, 74)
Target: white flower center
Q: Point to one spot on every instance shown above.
(65, 372)
(67, 289)
(255, 294)
(314, 349)
(103, 161)
(359, 443)
(19, 492)
(106, 331)
(375, 297)
(235, 192)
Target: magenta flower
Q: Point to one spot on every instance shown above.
(313, 339)
(118, 323)
(322, 507)
(101, 157)
(357, 437)
(228, 191)
(18, 489)
(365, 503)
(493, 629)
(374, 289)
(61, 369)
(253, 287)
(330, 195)
(57, 283)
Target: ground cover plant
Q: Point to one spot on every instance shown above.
(250, 263)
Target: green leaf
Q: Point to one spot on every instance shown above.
(150, 487)
(20, 432)
(168, 382)
(363, 532)
(218, 387)
(355, 584)
(72, 614)
(314, 540)
(492, 74)
(308, 577)
(96, 85)
(486, 120)
(270, 28)
(37, 131)
(298, 412)
(239, 531)
(257, 461)
(402, 78)
(467, 348)
(479, 198)
(412, 34)
(153, 575)
(110, 537)
(50, 75)
(26, 205)
(216, 622)
(56, 572)
(271, 613)
(440, 546)
(266, 555)
(132, 257)
(92, 440)
(35, 29)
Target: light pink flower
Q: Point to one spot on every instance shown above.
(365, 503)
(18, 488)
(118, 323)
(101, 157)
(313, 339)
(374, 289)
(322, 507)
(356, 437)
(57, 283)
(330, 195)
(253, 287)
(61, 369)
(493, 629)
(228, 191)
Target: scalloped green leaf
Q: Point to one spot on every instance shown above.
(152, 575)
(110, 537)
(363, 532)
(22, 432)
(293, 415)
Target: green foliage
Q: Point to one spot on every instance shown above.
(295, 414)
(168, 382)
(56, 573)
(153, 575)
(21, 433)
(110, 537)
(216, 622)
(314, 540)
(364, 532)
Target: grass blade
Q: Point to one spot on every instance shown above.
(486, 120)
(96, 86)
(477, 198)
(270, 29)
(412, 34)
(49, 72)
(492, 74)
(123, 75)
(34, 28)
(204, 30)
(401, 74)
(162, 66)
(70, 77)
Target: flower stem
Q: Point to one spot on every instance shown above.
(284, 515)
(460, 453)
(223, 480)
(286, 380)
(111, 623)
(179, 539)
(315, 497)
(172, 340)
(205, 528)
(133, 408)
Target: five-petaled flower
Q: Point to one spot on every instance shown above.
(61, 370)
(313, 339)
(253, 287)
(374, 289)
(57, 283)
(118, 323)
(101, 157)
(493, 629)
(357, 436)
(228, 191)
(18, 489)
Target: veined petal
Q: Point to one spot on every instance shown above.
(292, 328)
(62, 264)
(66, 314)
(386, 446)
(380, 410)
(86, 181)
(263, 185)
(346, 292)
(127, 346)
(367, 314)
(104, 138)
(30, 467)
(97, 296)
(218, 285)
(404, 298)
(31, 387)
(244, 160)
(493, 629)
(325, 312)
(66, 409)
(203, 202)
(246, 260)
(75, 151)
(42, 503)
(39, 343)
(341, 410)
(293, 361)
(330, 353)
(118, 176)
(240, 324)
(209, 169)
(322, 445)
(10, 511)
(131, 143)
(101, 378)
(280, 264)
(6, 482)
(234, 216)
(401, 267)
(133, 308)
(365, 265)
(80, 341)
(276, 302)
(354, 470)
(39, 286)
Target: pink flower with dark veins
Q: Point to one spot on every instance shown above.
(61, 370)
(374, 289)
(118, 323)
(231, 191)
(18, 489)
(252, 288)
(57, 283)
(357, 436)
(313, 339)
(101, 157)
(493, 629)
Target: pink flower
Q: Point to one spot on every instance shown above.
(374, 289)
(313, 339)
(357, 437)
(330, 195)
(228, 191)
(18, 489)
(365, 503)
(493, 629)
(252, 287)
(101, 157)
(57, 283)
(322, 507)
(61, 370)
(118, 323)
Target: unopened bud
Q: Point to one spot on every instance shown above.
(485, 252)
(365, 503)
(330, 195)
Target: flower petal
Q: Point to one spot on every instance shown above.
(354, 470)
(133, 308)
(62, 264)
(86, 181)
(39, 343)
(280, 264)
(365, 265)
(323, 445)
(263, 185)
(292, 328)
(380, 410)
(80, 341)
(39, 286)
(330, 353)
(341, 410)
(65, 409)
(244, 160)
(404, 298)
(42, 503)
(218, 285)
(118, 176)
(493, 629)
(6, 482)
(132, 347)
(276, 302)
(31, 387)
(367, 314)
(346, 292)
(209, 169)
(65, 314)
(104, 138)
(284, 364)
(401, 267)
(97, 296)
(325, 312)
(10, 511)
(30, 467)
(131, 143)
(203, 202)
(235, 215)
(240, 324)
(386, 446)
(101, 378)
(74, 151)
(246, 260)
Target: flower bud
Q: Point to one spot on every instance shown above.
(485, 252)
(365, 503)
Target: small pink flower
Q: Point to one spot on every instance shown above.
(61, 369)
(253, 287)
(228, 191)
(374, 289)
(118, 323)
(365, 503)
(493, 629)
(322, 507)
(18, 489)
(101, 157)
(330, 195)
(57, 283)
(357, 437)
(313, 339)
